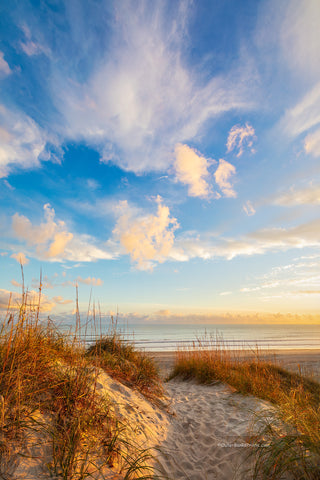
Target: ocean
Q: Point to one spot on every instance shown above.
(156, 337)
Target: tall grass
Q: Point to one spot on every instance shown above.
(294, 448)
(48, 387)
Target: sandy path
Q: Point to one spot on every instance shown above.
(207, 438)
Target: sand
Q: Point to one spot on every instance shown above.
(203, 432)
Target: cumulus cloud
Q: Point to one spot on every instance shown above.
(90, 281)
(309, 195)
(22, 142)
(192, 170)
(249, 209)
(148, 238)
(21, 258)
(49, 238)
(32, 299)
(312, 143)
(4, 67)
(222, 176)
(240, 138)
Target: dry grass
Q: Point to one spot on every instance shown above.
(47, 388)
(121, 360)
(293, 449)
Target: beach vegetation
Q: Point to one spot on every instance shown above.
(294, 447)
(50, 412)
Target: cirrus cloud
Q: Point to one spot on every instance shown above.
(4, 67)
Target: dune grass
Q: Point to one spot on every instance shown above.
(120, 359)
(48, 392)
(294, 448)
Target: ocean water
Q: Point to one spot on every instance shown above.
(169, 337)
(153, 337)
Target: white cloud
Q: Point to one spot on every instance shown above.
(189, 246)
(240, 138)
(49, 238)
(52, 241)
(299, 37)
(4, 67)
(61, 301)
(21, 258)
(141, 99)
(22, 142)
(16, 284)
(90, 281)
(147, 238)
(312, 143)
(192, 170)
(222, 176)
(309, 195)
(249, 209)
(304, 115)
(30, 46)
(15, 300)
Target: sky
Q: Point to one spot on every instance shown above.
(163, 157)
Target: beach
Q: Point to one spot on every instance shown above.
(192, 432)
(306, 361)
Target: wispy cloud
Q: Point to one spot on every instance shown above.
(31, 46)
(249, 208)
(304, 115)
(189, 246)
(22, 142)
(142, 98)
(147, 238)
(241, 137)
(312, 143)
(192, 169)
(299, 37)
(222, 176)
(309, 195)
(4, 66)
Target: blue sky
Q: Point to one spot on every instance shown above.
(163, 156)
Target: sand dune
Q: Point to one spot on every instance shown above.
(201, 434)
